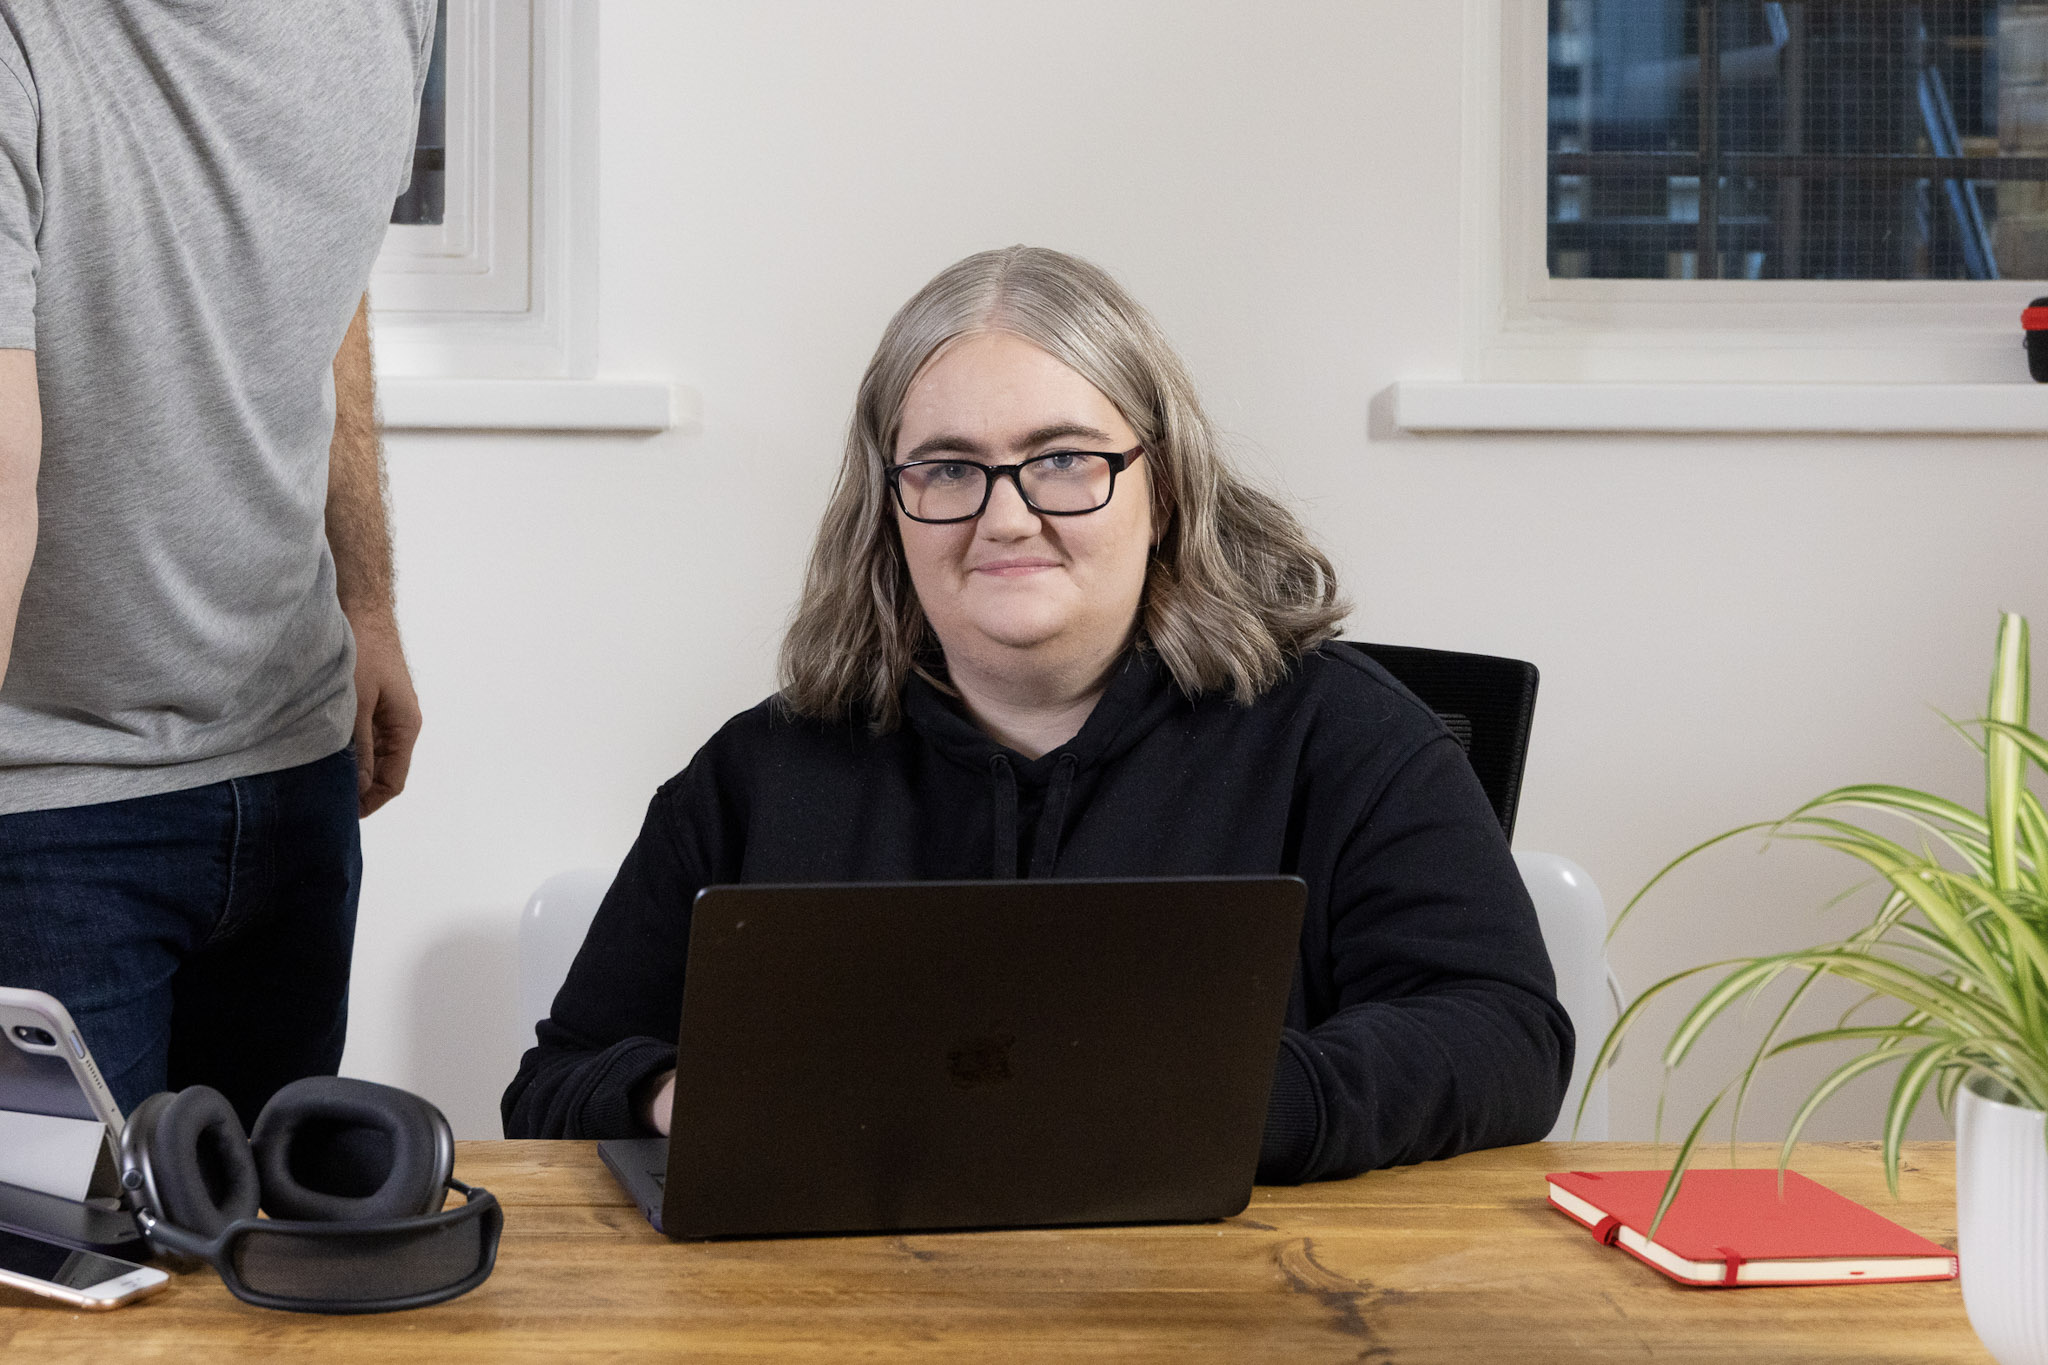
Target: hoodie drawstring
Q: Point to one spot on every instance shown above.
(1004, 779)
(1045, 847)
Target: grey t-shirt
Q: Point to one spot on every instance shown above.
(191, 196)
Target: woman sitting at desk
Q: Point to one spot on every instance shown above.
(1047, 632)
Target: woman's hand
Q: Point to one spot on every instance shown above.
(659, 1101)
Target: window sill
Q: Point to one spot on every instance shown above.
(624, 406)
(1855, 409)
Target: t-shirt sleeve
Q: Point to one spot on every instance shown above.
(21, 198)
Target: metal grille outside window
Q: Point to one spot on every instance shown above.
(425, 200)
(1814, 140)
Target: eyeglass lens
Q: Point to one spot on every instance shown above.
(1062, 481)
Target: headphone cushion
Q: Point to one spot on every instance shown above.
(198, 1159)
(336, 1150)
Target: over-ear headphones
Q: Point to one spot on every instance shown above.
(352, 1174)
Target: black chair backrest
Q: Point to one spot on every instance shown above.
(1487, 703)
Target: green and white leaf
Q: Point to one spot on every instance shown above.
(1960, 939)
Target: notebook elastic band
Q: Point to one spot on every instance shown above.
(1733, 1262)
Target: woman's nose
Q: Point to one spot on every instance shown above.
(1007, 514)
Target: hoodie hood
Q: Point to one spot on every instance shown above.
(1034, 794)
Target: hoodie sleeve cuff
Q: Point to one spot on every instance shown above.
(1294, 1120)
(607, 1108)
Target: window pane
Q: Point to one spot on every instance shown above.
(1809, 139)
(424, 199)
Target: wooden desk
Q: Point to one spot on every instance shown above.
(1451, 1262)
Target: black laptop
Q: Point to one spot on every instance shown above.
(918, 1056)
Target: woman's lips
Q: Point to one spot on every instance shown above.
(1015, 568)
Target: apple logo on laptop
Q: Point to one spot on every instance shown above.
(981, 1061)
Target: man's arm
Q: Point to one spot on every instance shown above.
(387, 710)
(21, 455)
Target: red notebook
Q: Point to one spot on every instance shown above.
(1727, 1229)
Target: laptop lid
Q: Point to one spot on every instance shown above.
(859, 1058)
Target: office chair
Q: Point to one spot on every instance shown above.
(1487, 703)
(551, 929)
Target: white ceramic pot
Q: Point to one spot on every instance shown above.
(2002, 1222)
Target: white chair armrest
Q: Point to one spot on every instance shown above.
(1574, 921)
(551, 930)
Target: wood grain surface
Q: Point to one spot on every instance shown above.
(1454, 1261)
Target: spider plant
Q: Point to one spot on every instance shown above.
(1959, 943)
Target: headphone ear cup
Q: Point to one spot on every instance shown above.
(187, 1158)
(334, 1150)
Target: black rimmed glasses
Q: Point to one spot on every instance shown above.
(1059, 483)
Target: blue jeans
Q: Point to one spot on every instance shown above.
(199, 937)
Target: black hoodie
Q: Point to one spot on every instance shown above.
(1423, 1020)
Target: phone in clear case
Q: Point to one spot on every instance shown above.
(59, 1124)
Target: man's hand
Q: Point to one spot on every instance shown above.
(387, 711)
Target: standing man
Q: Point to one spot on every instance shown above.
(205, 689)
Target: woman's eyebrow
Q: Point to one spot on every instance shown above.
(954, 445)
(962, 445)
(1060, 431)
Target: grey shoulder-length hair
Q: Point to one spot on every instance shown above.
(1235, 587)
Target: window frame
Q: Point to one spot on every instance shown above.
(1522, 326)
(505, 286)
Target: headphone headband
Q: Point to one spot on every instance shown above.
(369, 1267)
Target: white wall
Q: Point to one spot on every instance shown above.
(1724, 626)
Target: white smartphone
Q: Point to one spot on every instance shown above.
(47, 1069)
(83, 1279)
(59, 1125)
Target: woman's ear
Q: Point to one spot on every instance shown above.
(1158, 495)
(1162, 520)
